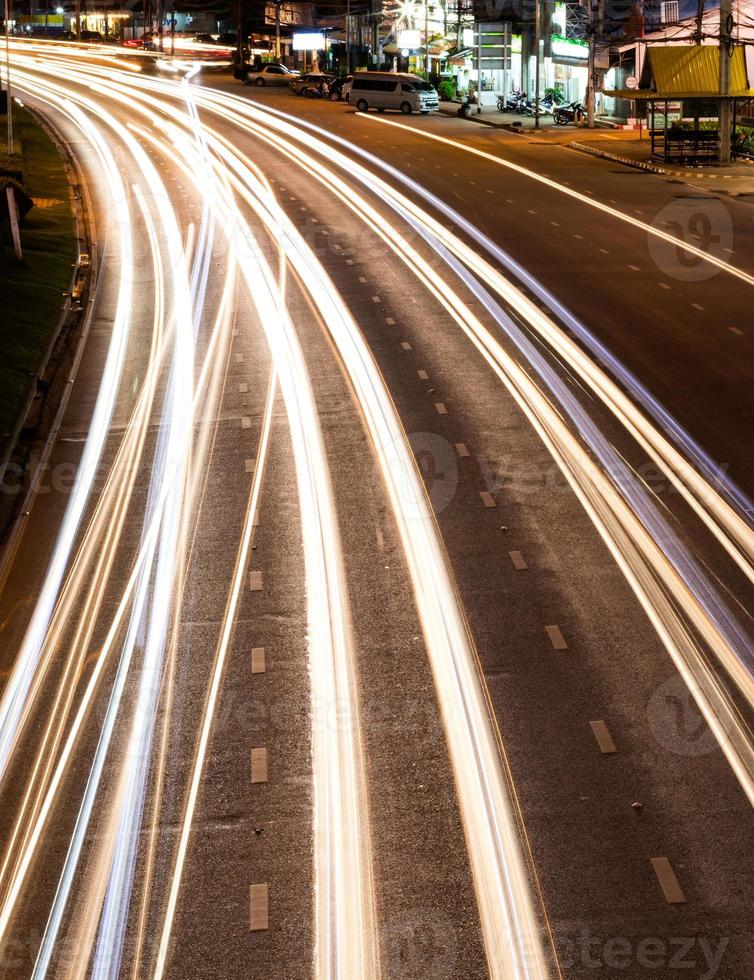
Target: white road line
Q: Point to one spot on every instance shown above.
(663, 285)
(461, 449)
(487, 499)
(603, 737)
(258, 765)
(669, 884)
(258, 660)
(243, 386)
(698, 306)
(390, 321)
(259, 908)
(556, 638)
(736, 331)
(519, 562)
(634, 268)
(441, 409)
(239, 358)
(405, 345)
(255, 581)
(245, 422)
(423, 376)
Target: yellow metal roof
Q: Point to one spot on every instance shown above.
(677, 69)
(690, 72)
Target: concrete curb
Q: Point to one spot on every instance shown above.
(652, 168)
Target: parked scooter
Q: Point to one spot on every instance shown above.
(464, 109)
(569, 114)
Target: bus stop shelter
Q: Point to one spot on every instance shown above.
(678, 74)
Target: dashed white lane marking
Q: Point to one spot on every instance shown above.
(634, 268)
(462, 450)
(259, 908)
(405, 345)
(376, 299)
(736, 331)
(362, 279)
(389, 321)
(519, 562)
(249, 465)
(556, 638)
(258, 665)
(603, 736)
(666, 877)
(246, 422)
(663, 285)
(441, 409)
(580, 237)
(555, 224)
(487, 499)
(698, 306)
(423, 376)
(259, 765)
(243, 386)
(531, 212)
(239, 358)
(604, 251)
(380, 539)
(255, 581)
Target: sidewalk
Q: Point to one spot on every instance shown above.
(628, 147)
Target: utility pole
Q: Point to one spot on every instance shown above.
(9, 107)
(277, 30)
(348, 37)
(725, 116)
(78, 19)
(537, 65)
(426, 39)
(591, 71)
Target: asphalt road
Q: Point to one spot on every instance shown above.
(556, 627)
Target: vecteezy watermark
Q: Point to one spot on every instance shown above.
(438, 466)
(676, 722)
(420, 943)
(667, 955)
(705, 225)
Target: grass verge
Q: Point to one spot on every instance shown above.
(31, 293)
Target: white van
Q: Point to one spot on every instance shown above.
(382, 90)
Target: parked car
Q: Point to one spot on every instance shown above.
(265, 75)
(338, 88)
(314, 81)
(392, 90)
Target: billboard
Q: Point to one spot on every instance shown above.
(308, 41)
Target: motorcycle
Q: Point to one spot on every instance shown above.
(464, 109)
(569, 114)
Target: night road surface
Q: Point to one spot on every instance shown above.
(398, 622)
